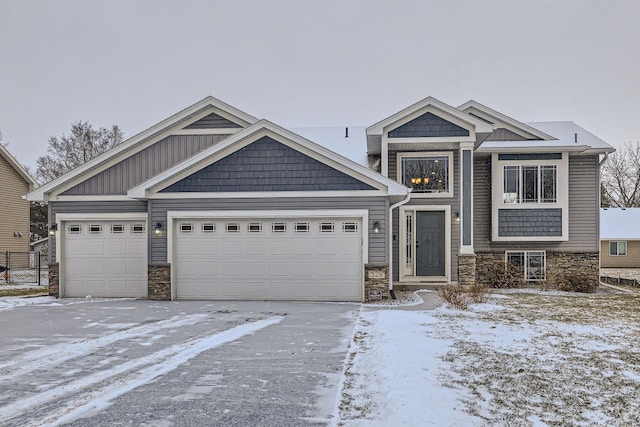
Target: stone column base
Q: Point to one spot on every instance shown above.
(159, 282)
(376, 281)
(54, 279)
(466, 269)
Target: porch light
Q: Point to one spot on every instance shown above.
(158, 229)
(376, 227)
(52, 229)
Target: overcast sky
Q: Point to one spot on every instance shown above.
(314, 63)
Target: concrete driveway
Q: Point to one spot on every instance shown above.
(137, 362)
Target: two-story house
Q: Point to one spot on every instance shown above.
(212, 203)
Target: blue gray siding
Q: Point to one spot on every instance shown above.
(529, 222)
(502, 134)
(378, 208)
(92, 208)
(141, 166)
(212, 121)
(267, 165)
(428, 125)
(583, 209)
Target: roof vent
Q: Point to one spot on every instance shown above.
(346, 132)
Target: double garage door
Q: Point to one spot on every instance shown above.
(104, 259)
(268, 258)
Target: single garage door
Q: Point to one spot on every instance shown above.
(269, 259)
(104, 259)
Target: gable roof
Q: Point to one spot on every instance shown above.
(374, 132)
(194, 112)
(17, 167)
(620, 224)
(251, 134)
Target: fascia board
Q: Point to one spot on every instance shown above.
(504, 118)
(480, 125)
(18, 167)
(531, 149)
(68, 178)
(263, 126)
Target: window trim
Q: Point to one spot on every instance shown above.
(425, 154)
(617, 242)
(525, 266)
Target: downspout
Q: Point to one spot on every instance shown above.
(390, 237)
(604, 159)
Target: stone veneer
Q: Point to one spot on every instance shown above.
(159, 282)
(54, 279)
(466, 269)
(376, 278)
(558, 264)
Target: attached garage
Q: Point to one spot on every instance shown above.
(269, 258)
(103, 258)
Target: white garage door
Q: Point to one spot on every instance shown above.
(274, 259)
(104, 259)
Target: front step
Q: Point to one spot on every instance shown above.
(416, 286)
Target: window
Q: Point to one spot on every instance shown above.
(117, 229)
(530, 184)
(350, 227)
(186, 227)
(255, 227)
(618, 248)
(137, 228)
(302, 227)
(531, 263)
(95, 229)
(279, 227)
(326, 227)
(75, 229)
(208, 227)
(427, 173)
(232, 227)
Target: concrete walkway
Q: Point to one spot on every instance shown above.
(430, 301)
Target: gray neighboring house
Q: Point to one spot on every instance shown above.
(213, 203)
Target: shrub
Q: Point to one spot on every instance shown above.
(478, 293)
(504, 276)
(455, 296)
(577, 282)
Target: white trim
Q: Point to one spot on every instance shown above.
(562, 194)
(465, 249)
(267, 194)
(403, 243)
(62, 218)
(145, 138)
(92, 198)
(420, 154)
(250, 135)
(361, 214)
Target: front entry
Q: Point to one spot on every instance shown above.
(430, 243)
(424, 246)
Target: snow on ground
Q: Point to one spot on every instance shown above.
(525, 359)
(7, 303)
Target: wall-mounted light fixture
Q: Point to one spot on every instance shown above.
(158, 229)
(376, 227)
(17, 234)
(457, 216)
(52, 229)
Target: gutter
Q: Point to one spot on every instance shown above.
(390, 237)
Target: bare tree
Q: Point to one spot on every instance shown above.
(68, 152)
(621, 177)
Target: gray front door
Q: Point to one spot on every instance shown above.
(430, 243)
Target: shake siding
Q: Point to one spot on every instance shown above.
(583, 209)
(143, 165)
(14, 210)
(377, 206)
(91, 208)
(454, 202)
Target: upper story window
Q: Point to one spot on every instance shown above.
(618, 248)
(428, 174)
(530, 184)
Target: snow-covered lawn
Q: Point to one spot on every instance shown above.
(524, 358)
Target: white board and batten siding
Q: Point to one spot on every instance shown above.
(308, 256)
(103, 257)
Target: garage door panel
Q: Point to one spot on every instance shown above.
(300, 262)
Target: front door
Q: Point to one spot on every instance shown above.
(430, 243)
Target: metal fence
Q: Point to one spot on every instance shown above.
(23, 267)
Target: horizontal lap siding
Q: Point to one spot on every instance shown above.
(630, 260)
(143, 165)
(14, 210)
(377, 207)
(583, 209)
(90, 208)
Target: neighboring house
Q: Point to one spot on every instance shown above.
(620, 238)
(15, 183)
(213, 203)
(41, 246)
